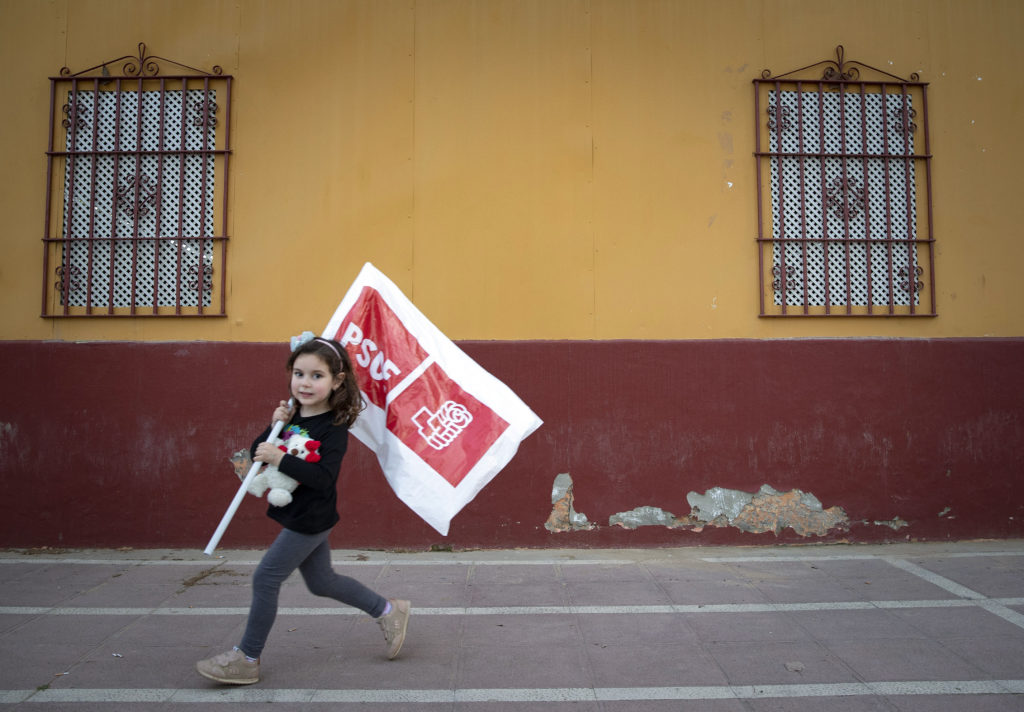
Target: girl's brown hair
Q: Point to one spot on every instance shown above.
(346, 402)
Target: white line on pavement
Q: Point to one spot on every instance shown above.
(765, 558)
(993, 606)
(578, 694)
(934, 578)
(511, 559)
(382, 561)
(988, 604)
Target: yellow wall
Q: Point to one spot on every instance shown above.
(525, 169)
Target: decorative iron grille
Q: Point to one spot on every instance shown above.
(136, 211)
(844, 193)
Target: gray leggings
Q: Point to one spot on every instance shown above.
(311, 555)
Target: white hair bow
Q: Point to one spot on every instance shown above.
(304, 337)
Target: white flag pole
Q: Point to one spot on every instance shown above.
(240, 495)
(296, 342)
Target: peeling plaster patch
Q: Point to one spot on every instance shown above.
(768, 510)
(8, 431)
(241, 461)
(563, 516)
(896, 523)
(718, 502)
(946, 512)
(645, 517)
(8, 435)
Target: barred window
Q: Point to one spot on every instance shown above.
(136, 210)
(844, 193)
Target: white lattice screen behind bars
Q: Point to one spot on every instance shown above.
(101, 205)
(868, 199)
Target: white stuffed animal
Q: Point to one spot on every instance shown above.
(281, 485)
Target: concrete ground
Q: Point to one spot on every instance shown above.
(909, 627)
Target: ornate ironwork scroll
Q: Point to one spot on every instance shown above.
(838, 70)
(139, 65)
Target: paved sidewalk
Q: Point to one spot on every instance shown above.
(915, 627)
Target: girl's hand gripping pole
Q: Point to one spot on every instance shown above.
(240, 495)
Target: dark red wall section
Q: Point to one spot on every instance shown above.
(127, 444)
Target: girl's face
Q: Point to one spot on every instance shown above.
(312, 384)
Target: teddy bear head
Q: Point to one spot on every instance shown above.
(301, 447)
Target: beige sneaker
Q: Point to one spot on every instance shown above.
(393, 624)
(231, 668)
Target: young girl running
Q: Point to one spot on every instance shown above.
(327, 402)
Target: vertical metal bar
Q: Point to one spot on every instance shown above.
(782, 201)
(138, 182)
(201, 266)
(760, 188)
(824, 196)
(911, 232)
(92, 191)
(845, 185)
(889, 246)
(117, 182)
(928, 181)
(70, 212)
(49, 200)
(224, 198)
(803, 190)
(865, 169)
(158, 224)
(181, 193)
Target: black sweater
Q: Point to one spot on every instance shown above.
(314, 505)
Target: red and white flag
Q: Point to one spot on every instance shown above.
(441, 426)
